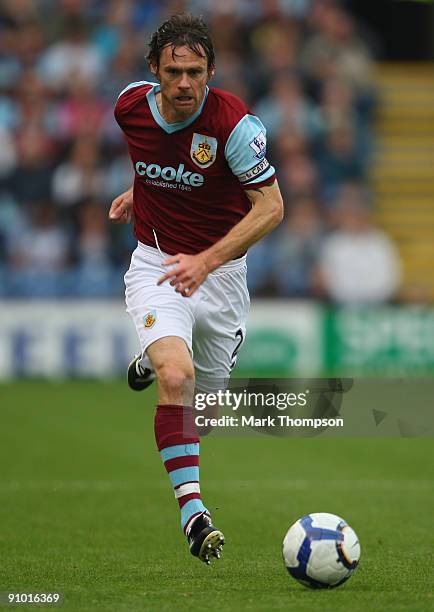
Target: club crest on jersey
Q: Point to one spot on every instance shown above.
(203, 150)
(149, 319)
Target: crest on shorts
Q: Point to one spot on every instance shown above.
(149, 319)
(203, 150)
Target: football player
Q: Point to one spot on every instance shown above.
(203, 193)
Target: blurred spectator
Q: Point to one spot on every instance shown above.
(80, 176)
(29, 182)
(338, 107)
(288, 144)
(108, 34)
(39, 254)
(334, 49)
(286, 105)
(8, 154)
(93, 243)
(74, 56)
(42, 245)
(94, 271)
(12, 223)
(298, 177)
(358, 262)
(30, 43)
(17, 12)
(274, 41)
(119, 177)
(82, 112)
(338, 160)
(33, 108)
(232, 75)
(259, 264)
(297, 251)
(10, 66)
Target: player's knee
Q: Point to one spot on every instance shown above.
(176, 380)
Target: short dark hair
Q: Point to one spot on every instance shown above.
(181, 30)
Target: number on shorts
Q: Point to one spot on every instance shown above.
(240, 337)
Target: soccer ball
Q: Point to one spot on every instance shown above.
(321, 551)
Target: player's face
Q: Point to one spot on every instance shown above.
(183, 78)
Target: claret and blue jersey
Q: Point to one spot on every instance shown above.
(190, 177)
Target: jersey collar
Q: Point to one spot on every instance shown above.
(171, 127)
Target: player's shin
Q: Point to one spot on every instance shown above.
(178, 442)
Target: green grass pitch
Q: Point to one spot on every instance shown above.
(86, 509)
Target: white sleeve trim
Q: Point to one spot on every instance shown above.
(135, 84)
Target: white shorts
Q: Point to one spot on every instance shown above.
(212, 322)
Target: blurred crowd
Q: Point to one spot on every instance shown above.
(303, 67)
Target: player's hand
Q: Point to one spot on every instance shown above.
(188, 273)
(121, 207)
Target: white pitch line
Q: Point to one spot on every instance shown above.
(275, 483)
(355, 484)
(66, 485)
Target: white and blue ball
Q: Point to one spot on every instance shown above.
(321, 551)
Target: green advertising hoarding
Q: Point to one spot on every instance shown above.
(288, 338)
(284, 338)
(383, 340)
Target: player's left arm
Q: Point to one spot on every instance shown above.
(266, 213)
(191, 270)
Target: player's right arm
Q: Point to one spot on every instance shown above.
(121, 207)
